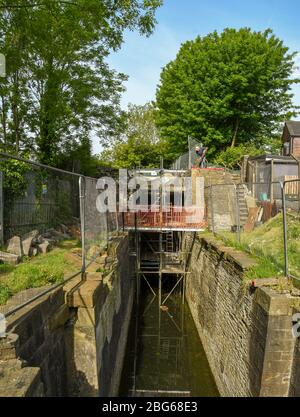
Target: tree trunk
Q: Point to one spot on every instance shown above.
(48, 136)
(235, 133)
(15, 112)
(3, 121)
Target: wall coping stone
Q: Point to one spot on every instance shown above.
(275, 303)
(239, 258)
(19, 380)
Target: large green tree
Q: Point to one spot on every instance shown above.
(139, 143)
(59, 87)
(226, 89)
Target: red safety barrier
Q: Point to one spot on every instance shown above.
(173, 218)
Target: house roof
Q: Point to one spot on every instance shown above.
(267, 158)
(293, 128)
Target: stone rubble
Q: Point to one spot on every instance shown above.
(33, 243)
(9, 258)
(27, 242)
(15, 246)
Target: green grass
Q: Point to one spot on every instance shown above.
(6, 269)
(265, 269)
(5, 293)
(45, 269)
(266, 244)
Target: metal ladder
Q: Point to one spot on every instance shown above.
(169, 242)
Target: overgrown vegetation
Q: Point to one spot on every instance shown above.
(43, 270)
(231, 157)
(14, 181)
(265, 268)
(266, 243)
(139, 144)
(59, 87)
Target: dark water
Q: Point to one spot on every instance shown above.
(164, 352)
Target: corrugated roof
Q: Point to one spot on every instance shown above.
(275, 158)
(293, 127)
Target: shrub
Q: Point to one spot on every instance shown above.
(231, 157)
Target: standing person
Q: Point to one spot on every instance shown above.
(201, 151)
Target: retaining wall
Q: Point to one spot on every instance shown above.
(246, 332)
(72, 342)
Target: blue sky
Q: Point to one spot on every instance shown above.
(180, 20)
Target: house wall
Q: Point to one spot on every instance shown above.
(296, 146)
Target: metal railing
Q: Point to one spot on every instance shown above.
(172, 218)
(48, 203)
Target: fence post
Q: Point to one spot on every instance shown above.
(271, 182)
(190, 154)
(82, 223)
(1, 210)
(238, 215)
(117, 222)
(285, 236)
(212, 210)
(107, 229)
(298, 159)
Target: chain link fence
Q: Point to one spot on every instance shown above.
(190, 159)
(50, 229)
(261, 218)
(291, 226)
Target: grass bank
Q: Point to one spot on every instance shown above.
(266, 244)
(49, 268)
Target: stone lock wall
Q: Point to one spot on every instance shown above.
(246, 333)
(295, 377)
(220, 200)
(72, 342)
(104, 306)
(38, 350)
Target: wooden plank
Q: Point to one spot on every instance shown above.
(252, 218)
(291, 188)
(260, 215)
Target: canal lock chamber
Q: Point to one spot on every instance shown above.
(164, 355)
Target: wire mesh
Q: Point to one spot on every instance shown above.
(245, 216)
(190, 159)
(51, 229)
(40, 224)
(95, 226)
(292, 227)
(182, 163)
(194, 159)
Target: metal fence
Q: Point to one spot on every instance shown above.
(262, 218)
(44, 209)
(190, 159)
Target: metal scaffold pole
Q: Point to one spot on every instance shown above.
(137, 242)
(285, 235)
(82, 196)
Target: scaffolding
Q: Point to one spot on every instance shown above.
(157, 244)
(167, 211)
(161, 255)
